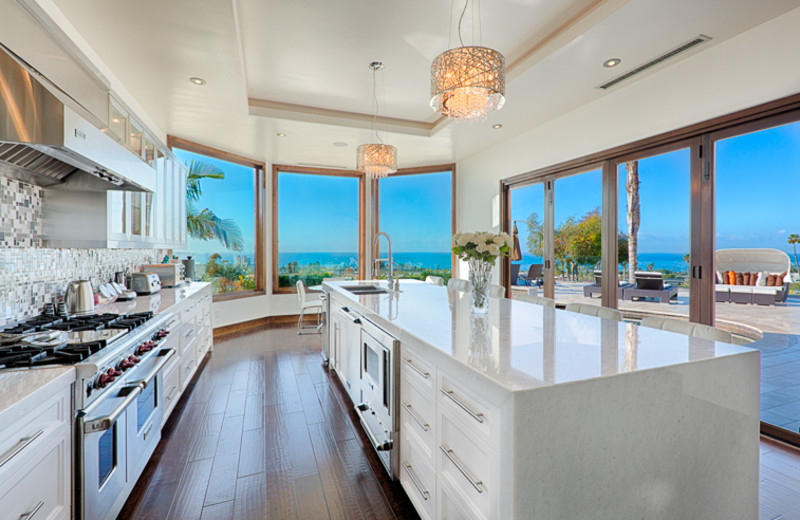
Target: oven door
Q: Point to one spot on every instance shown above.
(146, 413)
(101, 463)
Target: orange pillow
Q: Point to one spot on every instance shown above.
(731, 278)
(779, 280)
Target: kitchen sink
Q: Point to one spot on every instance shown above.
(365, 289)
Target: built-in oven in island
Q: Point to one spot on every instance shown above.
(378, 410)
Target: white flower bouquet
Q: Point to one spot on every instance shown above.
(482, 246)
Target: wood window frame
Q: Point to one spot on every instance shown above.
(422, 170)
(281, 168)
(259, 168)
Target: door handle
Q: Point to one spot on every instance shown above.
(165, 355)
(19, 446)
(104, 423)
(30, 514)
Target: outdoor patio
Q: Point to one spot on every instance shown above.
(777, 326)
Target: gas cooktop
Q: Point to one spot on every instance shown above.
(48, 340)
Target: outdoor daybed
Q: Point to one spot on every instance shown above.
(589, 291)
(650, 284)
(760, 276)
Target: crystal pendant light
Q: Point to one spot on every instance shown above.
(377, 160)
(468, 82)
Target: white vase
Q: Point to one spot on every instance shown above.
(480, 279)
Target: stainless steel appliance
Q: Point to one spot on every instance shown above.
(378, 410)
(171, 275)
(145, 283)
(80, 297)
(117, 398)
(46, 143)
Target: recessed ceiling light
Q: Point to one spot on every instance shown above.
(197, 81)
(281, 134)
(115, 120)
(613, 62)
(497, 126)
(340, 144)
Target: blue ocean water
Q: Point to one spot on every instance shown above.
(669, 261)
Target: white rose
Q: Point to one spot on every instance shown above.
(510, 242)
(482, 247)
(505, 236)
(469, 237)
(494, 249)
(461, 241)
(499, 240)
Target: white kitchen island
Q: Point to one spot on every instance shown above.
(535, 413)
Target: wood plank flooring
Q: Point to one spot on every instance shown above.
(267, 433)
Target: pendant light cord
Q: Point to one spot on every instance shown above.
(460, 19)
(375, 113)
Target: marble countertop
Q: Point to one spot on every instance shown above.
(158, 302)
(520, 345)
(16, 385)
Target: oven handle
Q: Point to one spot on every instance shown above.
(344, 311)
(104, 423)
(379, 446)
(166, 354)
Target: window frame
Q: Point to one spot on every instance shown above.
(375, 193)
(282, 168)
(259, 168)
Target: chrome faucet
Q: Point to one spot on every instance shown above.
(388, 260)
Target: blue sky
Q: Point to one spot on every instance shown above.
(232, 197)
(757, 176)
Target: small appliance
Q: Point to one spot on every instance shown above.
(80, 298)
(171, 275)
(145, 283)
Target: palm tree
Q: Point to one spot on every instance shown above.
(632, 189)
(205, 224)
(794, 239)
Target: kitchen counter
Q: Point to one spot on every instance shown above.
(18, 386)
(158, 302)
(520, 346)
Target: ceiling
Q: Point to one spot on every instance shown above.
(301, 67)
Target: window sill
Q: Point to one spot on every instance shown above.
(237, 295)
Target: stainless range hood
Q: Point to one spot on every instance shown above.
(46, 143)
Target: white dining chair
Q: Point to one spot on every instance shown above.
(434, 280)
(696, 330)
(457, 284)
(497, 291)
(538, 300)
(595, 310)
(305, 306)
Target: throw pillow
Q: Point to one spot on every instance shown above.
(771, 280)
(719, 277)
(745, 278)
(762, 279)
(754, 278)
(779, 279)
(731, 278)
(739, 278)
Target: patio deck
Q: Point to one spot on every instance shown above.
(779, 328)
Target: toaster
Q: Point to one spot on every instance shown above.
(145, 283)
(171, 275)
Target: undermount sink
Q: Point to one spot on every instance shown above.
(365, 289)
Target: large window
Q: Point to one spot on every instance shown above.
(416, 211)
(317, 219)
(224, 219)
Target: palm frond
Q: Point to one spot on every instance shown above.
(199, 170)
(206, 225)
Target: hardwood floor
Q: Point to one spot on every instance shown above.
(265, 434)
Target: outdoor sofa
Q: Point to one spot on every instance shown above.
(591, 290)
(756, 275)
(650, 284)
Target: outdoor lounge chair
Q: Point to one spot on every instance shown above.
(763, 262)
(650, 284)
(534, 275)
(514, 273)
(589, 291)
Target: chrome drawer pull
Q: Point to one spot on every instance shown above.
(19, 446)
(172, 393)
(477, 484)
(101, 424)
(414, 481)
(475, 415)
(422, 425)
(415, 369)
(29, 515)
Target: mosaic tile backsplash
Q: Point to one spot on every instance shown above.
(31, 275)
(20, 214)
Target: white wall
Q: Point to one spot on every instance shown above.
(755, 67)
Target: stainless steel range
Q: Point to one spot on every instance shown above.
(118, 398)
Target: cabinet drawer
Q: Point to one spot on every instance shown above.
(417, 414)
(450, 505)
(467, 407)
(186, 371)
(171, 386)
(416, 369)
(417, 477)
(188, 335)
(468, 466)
(187, 314)
(41, 487)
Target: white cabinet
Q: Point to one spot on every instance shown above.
(345, 341)
(36, 454)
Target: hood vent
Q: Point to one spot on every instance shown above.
(655, 61)
(45, 143)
